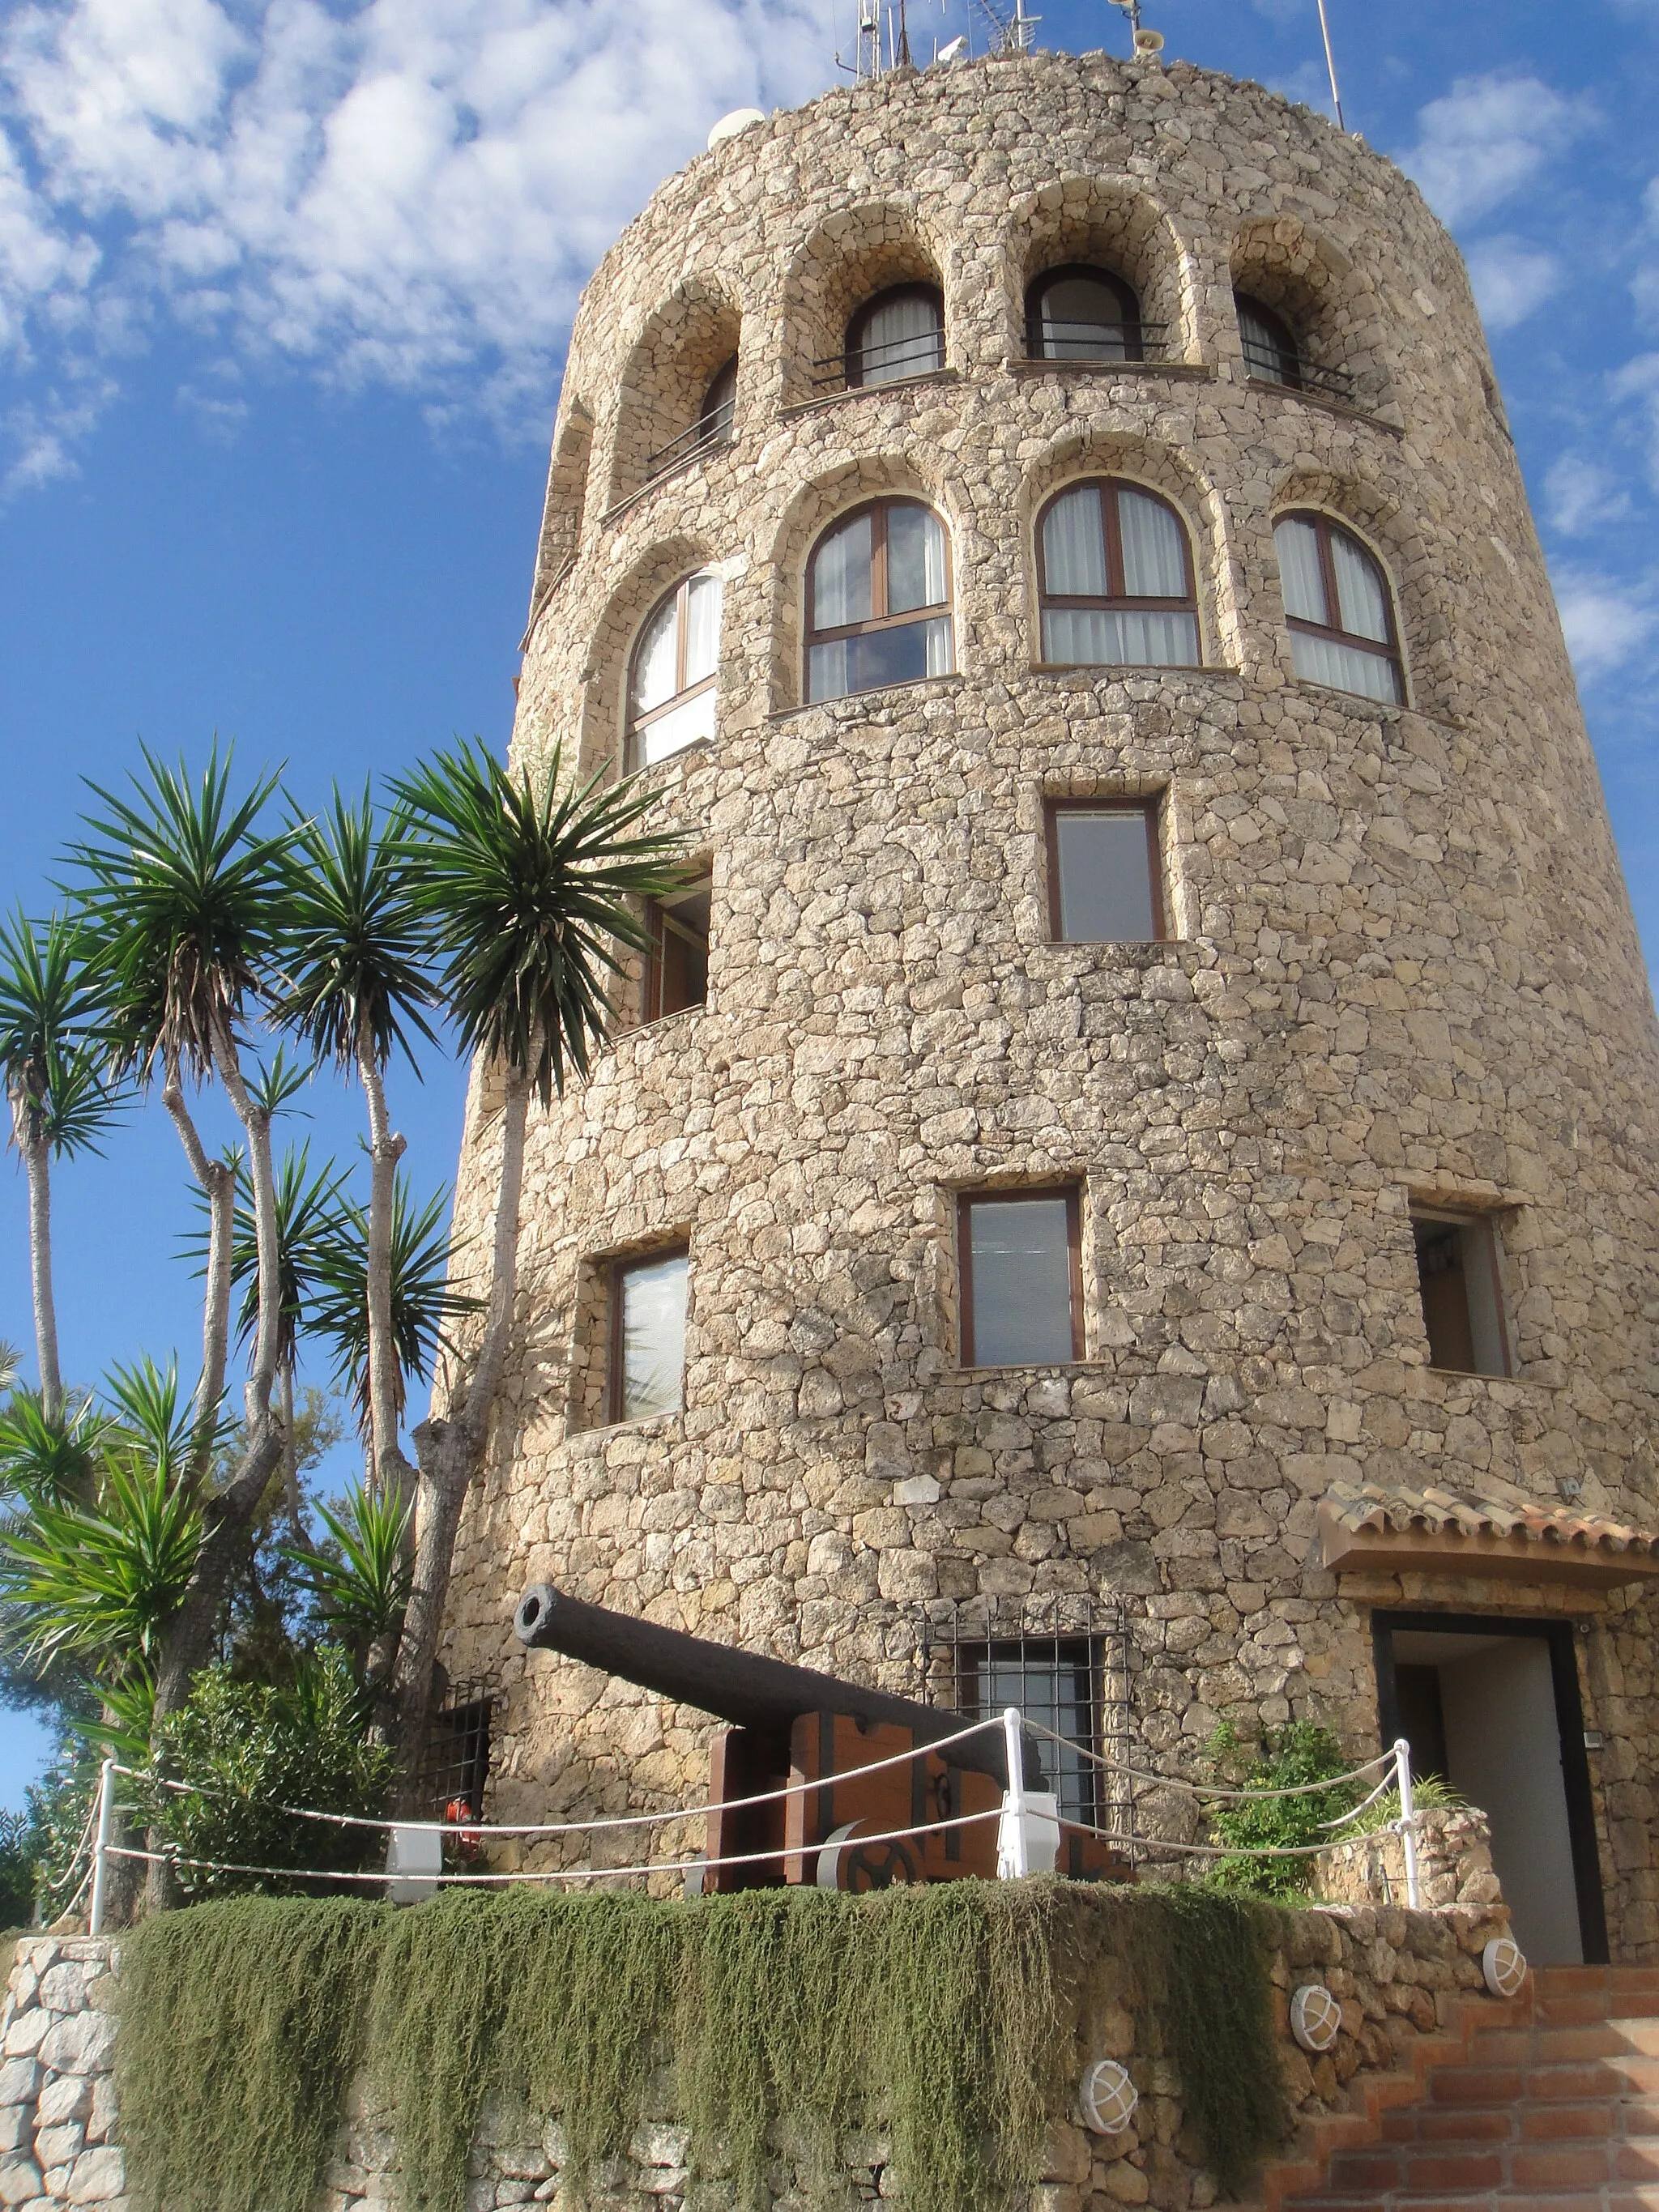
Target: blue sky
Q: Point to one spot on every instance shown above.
(284, 288)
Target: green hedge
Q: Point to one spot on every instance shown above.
(956, 2018)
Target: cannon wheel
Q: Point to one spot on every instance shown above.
(858, 1867)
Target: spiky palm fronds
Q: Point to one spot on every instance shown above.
(179, 893)
(526, 882)
(48, 1458)
(361, 1583)
(309, 1207)
(423, 1303)
(50, 1001)
(356, 947)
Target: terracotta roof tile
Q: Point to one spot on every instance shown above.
(1437, 1524)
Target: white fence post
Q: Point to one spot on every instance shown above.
(1402, 1767)
(1013, 1858)
(101, 1846)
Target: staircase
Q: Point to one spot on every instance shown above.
(1554, 2107)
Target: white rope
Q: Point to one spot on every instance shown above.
(1133, 1844)
(549, 1874)
(580, 1827)
(1354, 1811)
(74, 1856)
(1202, 1789)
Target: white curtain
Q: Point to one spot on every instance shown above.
(1102, 638)
(703, 628)
(679, 728)
(656, 658)
(653, 1337)
(915, 558)
(841, 576)
(1360, 587)
(1296, 544)
(903, 337)
(1074, 546)
(1153, 566)
(1344, 667)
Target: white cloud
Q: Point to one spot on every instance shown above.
(1581, 495)
(1487, 137)
(1511, 280)
(1607, 621)
(1636, 384)
(406, 190)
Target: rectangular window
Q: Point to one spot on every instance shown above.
(1052, 1681)
(1022, 1278)
(648, 1336)
(1462, 1292)
(1104, 873)
(676, 966)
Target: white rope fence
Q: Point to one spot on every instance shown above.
(1025, 1818)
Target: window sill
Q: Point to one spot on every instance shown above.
(680, 752)
(595, 1438)
(1325, 405)
(853, 700)
(927, 379)
(1379, 710)
(1093, 671)
(659, 1023)
(670, 475)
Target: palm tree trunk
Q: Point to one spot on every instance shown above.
(291, 1457)
(256, 1125)
(449, 1453)
(218, 1184)
(37, 1160)
(386, 1149)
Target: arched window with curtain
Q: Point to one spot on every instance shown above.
(899, 333)
(878, 600)
(1339, 609)
(1114, 579)
(1271, 351)
(1075, 313)
(670, 687)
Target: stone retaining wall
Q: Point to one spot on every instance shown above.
(1394, 1972)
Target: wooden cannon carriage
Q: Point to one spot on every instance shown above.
(789, 1725)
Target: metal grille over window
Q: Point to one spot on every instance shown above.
(455, 1766)
(1272, 354)
(1063, 1662)
(877, 601)
(1116, 577)
(1078, 313)
(671, 693)
(1338, 607)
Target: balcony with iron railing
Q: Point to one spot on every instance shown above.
(1270, 364)
(892, 360)
(1050, 344)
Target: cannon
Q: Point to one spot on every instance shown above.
(791, 1725)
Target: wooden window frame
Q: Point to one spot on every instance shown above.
(614, 1376)
(879, 510)
(712, 429)
(1451, 1217)
(680, 593)
(1134, 342)
(1117, 599)
(659, 920)
(1326, 527)
(966, 1201)
(852, 358)
(1152, 810)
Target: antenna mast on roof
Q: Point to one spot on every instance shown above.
(1330, 63)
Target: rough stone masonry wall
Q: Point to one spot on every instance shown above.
(1394, 1973)
(1403, 965)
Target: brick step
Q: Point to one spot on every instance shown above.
(1456, 2168)
(1494, 2200)
(1597, 2038)
(1529, 2119)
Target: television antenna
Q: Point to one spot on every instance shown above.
(1330, 63)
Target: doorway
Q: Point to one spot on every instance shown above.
(1492, 1706)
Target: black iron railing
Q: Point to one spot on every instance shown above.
(1105, 341)
(713, 429)
(1268, 365)
(894, 359)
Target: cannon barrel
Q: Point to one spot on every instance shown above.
(740, 1687)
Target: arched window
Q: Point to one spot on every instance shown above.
(671, 692)
(878, 600)
(1079, 313)
(899, 333)
(719, 406)
(1270, 350)
(1340, 612)
(1114, 579)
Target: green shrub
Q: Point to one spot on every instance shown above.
(247, 1749)
(953, 2018)
(1300, 1753)
(18, 1844)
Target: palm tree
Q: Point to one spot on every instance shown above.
(357, 953)
(60, 1104)
(179, 897)
(526, 882)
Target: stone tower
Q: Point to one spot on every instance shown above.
(1128, 1179)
